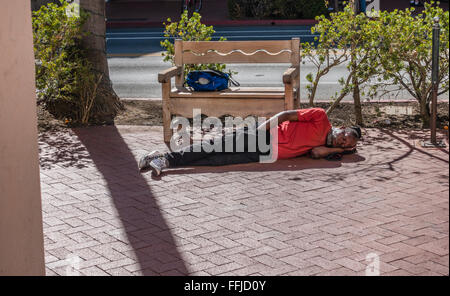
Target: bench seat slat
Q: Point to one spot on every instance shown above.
(242, 107)
(233, 92)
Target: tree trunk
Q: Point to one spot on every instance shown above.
(336, 5)
(107, 102)
(313, 91)
(425, 113)
(357, 102)
(341, 96)
(356, 90)
(354, 4)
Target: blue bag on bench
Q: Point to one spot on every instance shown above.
(209, 80)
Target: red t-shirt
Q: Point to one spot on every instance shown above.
(298, 137)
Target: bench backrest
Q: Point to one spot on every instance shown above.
(234, 52)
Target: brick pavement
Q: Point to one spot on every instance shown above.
(294, 217)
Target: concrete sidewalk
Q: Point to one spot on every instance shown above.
(294, 217)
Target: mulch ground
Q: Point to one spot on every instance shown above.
(376, 115)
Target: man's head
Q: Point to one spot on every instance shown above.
(346, 137)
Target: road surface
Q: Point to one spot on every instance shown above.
(135, 61)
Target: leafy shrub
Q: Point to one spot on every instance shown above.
(344, 37)
(286, 9)
(384, 55)
(278, 9)
(404, 51)
(236, 9)
(259, 8)
(65, 80)
(189, 29)
(310, 9)
(239, 9)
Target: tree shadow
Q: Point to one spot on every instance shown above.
(58, 148)
(146, 229)
(413, 135)
(386, 169)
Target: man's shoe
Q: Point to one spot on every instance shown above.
(158, 164)
(145, 160)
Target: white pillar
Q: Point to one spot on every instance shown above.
(21, 236)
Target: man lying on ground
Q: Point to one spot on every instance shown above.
(298, 132)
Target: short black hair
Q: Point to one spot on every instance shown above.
(355, 131)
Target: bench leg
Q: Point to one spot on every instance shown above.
(297, 97)
(167, 115)
(297, 93)
(288, 96)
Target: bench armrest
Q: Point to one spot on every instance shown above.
(165, 75)
(290, 74)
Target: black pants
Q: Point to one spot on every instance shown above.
(187, 156)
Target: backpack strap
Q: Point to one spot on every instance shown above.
(234, 82)
(218, 73)
(221, 74)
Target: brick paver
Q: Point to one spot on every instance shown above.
(294, 217)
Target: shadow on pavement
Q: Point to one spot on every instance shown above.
(144, 225)
(413, 136)
(59, 149)
(294, 164)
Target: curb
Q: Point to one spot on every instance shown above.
(231, 23)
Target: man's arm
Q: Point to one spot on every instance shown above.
(291, 115)
(323, 151)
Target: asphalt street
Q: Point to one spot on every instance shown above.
(134, 58)
(147, 40)
(137, 77)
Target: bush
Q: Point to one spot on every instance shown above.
(310, 9)
(239, 9)
(286, 9)
(404, 50)
(345, 37)
(384, 55)
(189, 29)
(65, 80)
(235, 9)
(277, 9)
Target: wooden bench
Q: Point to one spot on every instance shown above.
(236, 101)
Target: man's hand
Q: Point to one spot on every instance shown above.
(323, 151)
(349, 148)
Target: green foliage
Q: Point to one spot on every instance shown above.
(342, 38)
(278, 9)
(64, 78)
(404, 51)
(384, 55)
(302, 9)
(310, 9)
(235, 9)
(189, 29)
(259, 9)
